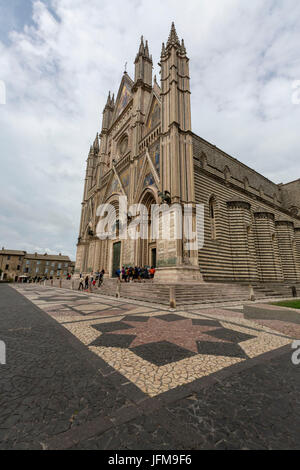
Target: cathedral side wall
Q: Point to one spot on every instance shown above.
(241, 249)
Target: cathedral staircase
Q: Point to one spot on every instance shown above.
(189, 294)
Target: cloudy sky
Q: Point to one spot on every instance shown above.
(59, 58)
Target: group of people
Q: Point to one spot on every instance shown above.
(37, 279)
(128, 274)
(91, 280)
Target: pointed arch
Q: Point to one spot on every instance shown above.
(212, 204)
(227, 173)
(203, 160)
(153, 115)
(146, 249)
(246, 183)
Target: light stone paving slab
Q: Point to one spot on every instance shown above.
(149, 377)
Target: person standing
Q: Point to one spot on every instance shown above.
(86, 282)
(101, 276)
(152, 272)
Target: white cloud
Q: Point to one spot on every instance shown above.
(58, 70)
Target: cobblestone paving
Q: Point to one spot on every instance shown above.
(86, 371)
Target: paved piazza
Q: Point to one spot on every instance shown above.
(155, 349)
(151, 358)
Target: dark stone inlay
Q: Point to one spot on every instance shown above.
(230, 335)
(170, 317)
(206, 322)
(58, 299)
(287, 316)
(162, 352)
(114, 341)
(221, 349)
(112, 326)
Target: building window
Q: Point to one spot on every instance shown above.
(66, 265)
(46, 271)
(18, 267)
(38, 262)
(47, 263)
(7, 267)
(59, 266)
(8, 258)
(53, 264)
(27, 262)
(212, 216)
(51, 273)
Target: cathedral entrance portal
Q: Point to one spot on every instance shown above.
(153, 257)
(148, 247)
(116, 258)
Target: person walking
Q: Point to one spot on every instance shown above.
(86, 282)
(101, 275)
(81, 284)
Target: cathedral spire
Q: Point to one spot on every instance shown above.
(141, 51)
(143, 64)
(146, 50)
(173, 38)
(142, 47)
(108, 102)
(96, 144)
(107, 113)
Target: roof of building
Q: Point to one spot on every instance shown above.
(36, 256)
(12, 252)
(47, 257)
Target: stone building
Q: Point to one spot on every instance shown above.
(11, 262)
(56, 266)
(147, 151)
(14, 263)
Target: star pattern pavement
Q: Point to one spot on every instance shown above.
(183, 332)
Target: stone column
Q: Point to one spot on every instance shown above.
(287, 248)
(244, 265)
(268, 257)
(177, 261)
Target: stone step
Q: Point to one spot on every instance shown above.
(193, 294)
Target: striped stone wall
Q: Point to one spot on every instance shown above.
(288, 249)
(242, 245)
(266, 241)
(251, 241)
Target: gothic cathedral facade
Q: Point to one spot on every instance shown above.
(147, 151)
